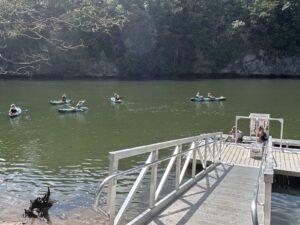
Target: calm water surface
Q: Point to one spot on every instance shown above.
(69, 152)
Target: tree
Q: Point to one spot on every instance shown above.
(29, 29)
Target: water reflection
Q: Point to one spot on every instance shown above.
(285, 209)
(80, 116)
(69, 152)
(285, 200)
(15, 122)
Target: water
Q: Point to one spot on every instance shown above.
(69, 152)
(285, 200)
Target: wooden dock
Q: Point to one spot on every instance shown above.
(228, 191)
(223, 196)
(286, 161)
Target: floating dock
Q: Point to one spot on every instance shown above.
(233, 187)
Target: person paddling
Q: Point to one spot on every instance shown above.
(117, 97)
(64, 97)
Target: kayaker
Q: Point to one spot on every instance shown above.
(198, 95)
(209, 95)
(64, 97)
(261, 135)
(13, 108)
(117, 97)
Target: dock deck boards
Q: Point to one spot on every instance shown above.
(239, 154)
(224, 195)
(213, 201)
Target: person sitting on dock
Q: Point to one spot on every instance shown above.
(235, 135)
(261, 135)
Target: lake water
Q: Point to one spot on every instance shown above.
(69, 152)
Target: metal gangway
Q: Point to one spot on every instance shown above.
(176, 155)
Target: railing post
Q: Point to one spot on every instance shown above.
(112, 188)
(214, 149)
(220, 147)
(205, 154)
(153, 181)
(178, 166)
(194, 162)
(268, 178)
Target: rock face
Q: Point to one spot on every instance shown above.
(265, 63)
(102, 67)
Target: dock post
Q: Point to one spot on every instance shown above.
(194, 162)
(268, 179)
(178, 167)
(112, 188)
(153, 182)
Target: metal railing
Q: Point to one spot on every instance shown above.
(207, 147)
(265, 175)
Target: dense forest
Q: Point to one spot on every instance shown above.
(143, 39)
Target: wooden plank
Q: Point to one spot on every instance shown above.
(295, 157)
(243, 156)
(248, 159)
(297, 162)
(286, 161)
(225, 152)
(246, 156)
(229, 155)
(280, 161)
(228, 152)
(237, 153)
(234, 155)
(292, 161)
(239, 158)
(204, 202)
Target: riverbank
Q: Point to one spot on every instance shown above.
(12, 223)
(150, 77)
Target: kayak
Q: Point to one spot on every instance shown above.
(72, 110)
(207, 99)
(114, 100)
(60, 102)
(14, 112)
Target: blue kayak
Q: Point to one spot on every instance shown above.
(208, 99)
(73, 109)
(60, 102)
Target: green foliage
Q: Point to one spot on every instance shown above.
(275, 24)
(142, 37)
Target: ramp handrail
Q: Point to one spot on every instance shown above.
(266, 169)
(208, 145)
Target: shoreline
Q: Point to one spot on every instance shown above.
(179, 77)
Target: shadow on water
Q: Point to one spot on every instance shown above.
(285, 200)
